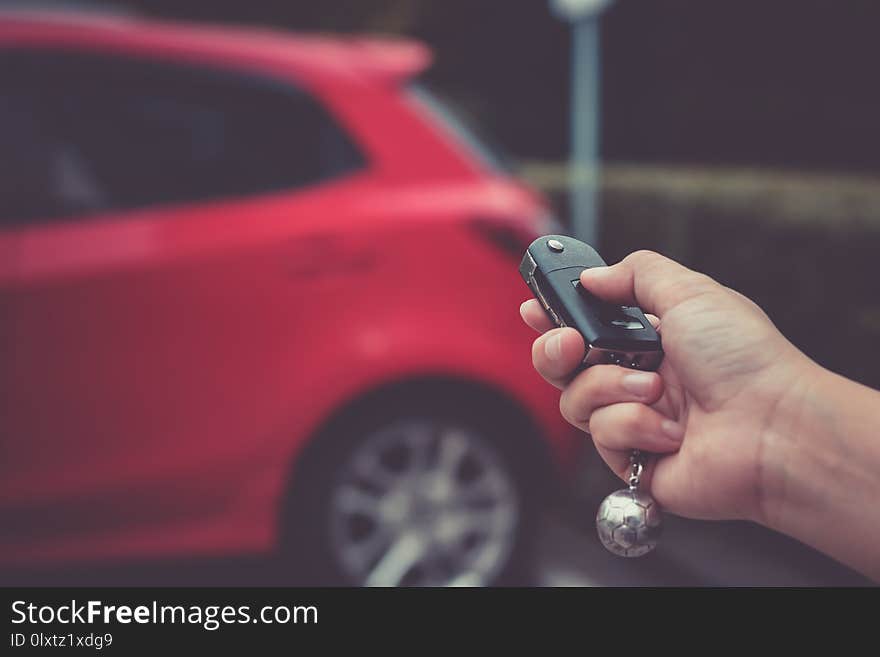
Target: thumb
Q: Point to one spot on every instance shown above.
(648, 280)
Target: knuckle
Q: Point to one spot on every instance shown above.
(630, 417)
(537, 350)
(594, 427)
(571, 409)
(583, 384)
(595, 382)
(599, 425)
(644, 255)
(588, 390)
(645, 260)
(563, 406)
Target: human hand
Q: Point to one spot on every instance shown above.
(710, 413)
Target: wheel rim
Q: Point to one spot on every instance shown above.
(423, 503)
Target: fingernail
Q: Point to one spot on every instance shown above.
(638, 383)
(592, 272)
(673, 430)
(553, 347)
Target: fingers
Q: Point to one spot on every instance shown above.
(602, 385)
(620, 428)
(557, 353)
(535, 317)
(646, 279)
(627, 426)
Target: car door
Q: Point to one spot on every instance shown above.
(149, 309)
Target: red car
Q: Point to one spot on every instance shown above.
(259, 296)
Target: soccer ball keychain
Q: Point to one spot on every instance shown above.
(629, 520)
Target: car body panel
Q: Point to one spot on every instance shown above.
(165, 365)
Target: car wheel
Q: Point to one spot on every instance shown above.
(433, 496)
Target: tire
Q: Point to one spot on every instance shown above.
(427, 488)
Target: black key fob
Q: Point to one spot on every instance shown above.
(618, 335)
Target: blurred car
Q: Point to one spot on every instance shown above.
(259, 296)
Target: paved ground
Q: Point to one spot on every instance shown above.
(690, 554)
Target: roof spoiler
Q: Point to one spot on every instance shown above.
(390, 60)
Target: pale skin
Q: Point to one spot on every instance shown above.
(743, 424)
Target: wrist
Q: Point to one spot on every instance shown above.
(788, 445)
(819, 467)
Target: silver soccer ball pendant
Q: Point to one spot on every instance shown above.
(629, 522)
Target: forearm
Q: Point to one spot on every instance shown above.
(821, 469)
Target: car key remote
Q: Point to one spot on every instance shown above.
(629, 521)
(617, 335)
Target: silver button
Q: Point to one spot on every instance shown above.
(556, 245)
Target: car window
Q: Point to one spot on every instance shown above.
(83, 133)
(26, 166)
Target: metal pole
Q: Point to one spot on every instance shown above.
(585, 106)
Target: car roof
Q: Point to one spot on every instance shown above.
(381, 59)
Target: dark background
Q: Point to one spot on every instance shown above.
(779, 82)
